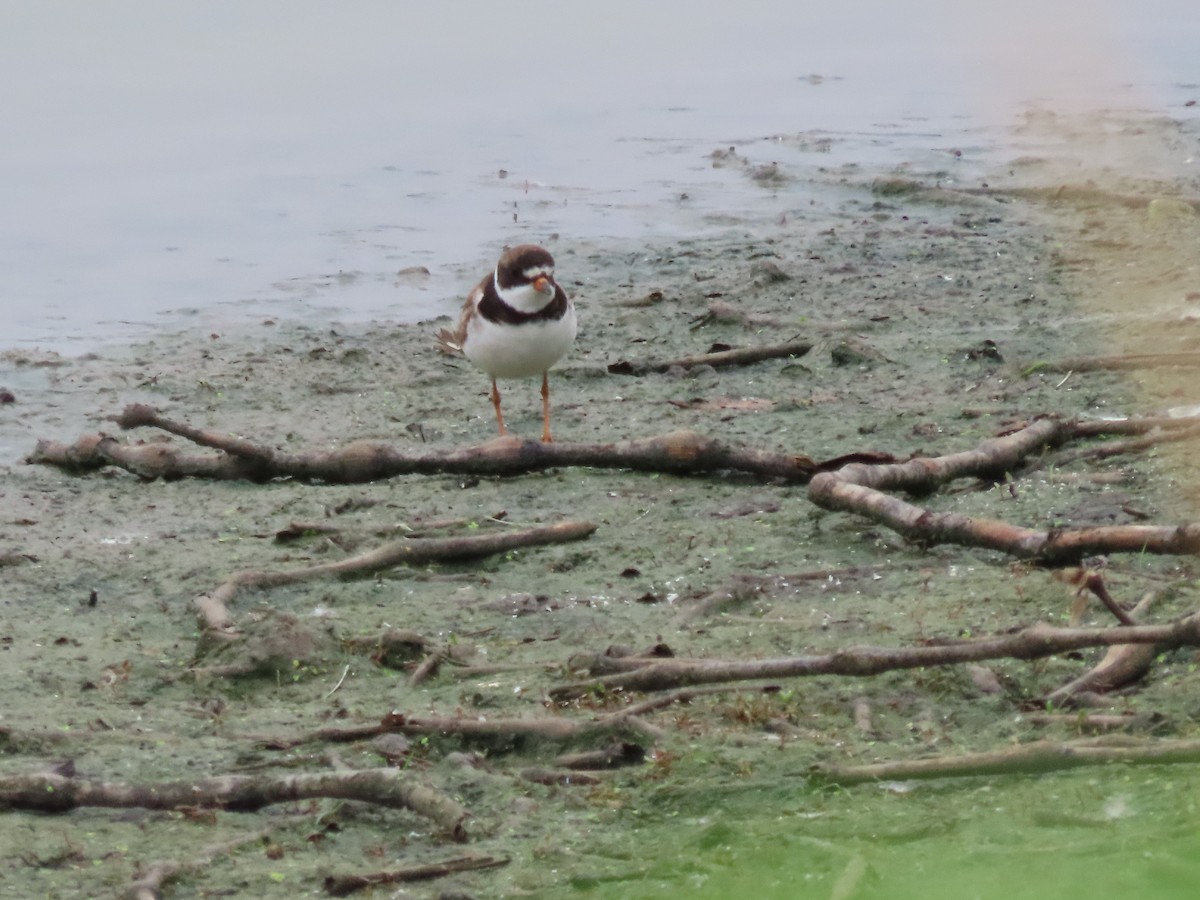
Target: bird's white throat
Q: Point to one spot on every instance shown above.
(524, 297)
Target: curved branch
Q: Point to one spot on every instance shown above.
(236, 793)
(152, 878)
(213, 607)
(1029, 643)
(860, 489)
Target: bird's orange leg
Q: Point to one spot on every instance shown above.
(496, 403)
(546, 439)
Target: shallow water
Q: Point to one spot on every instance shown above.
(213, 163)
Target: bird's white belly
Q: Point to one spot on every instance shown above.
(518, 351)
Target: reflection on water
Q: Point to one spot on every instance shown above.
(239, 160)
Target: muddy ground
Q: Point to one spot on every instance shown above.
(926, 303)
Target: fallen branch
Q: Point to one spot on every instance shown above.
(614, 756)
(151, 878)
(236, 793)
(855, 483)
(738, 356)
(1086, 581)
(213, 607)
(1040, 756)
(1030, 643)
(1086, 428)
(344, 885)
(1122, 664)
(476, 727)
(1179, 430)
(860, 489)
(680, 453)
(687, 695)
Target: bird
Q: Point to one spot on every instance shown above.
(516, 323)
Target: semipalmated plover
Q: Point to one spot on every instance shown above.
(517, 322)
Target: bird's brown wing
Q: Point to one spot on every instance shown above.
(451, 341)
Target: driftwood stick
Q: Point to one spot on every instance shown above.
(556, 729)
(476, 670)
(213, 607)
(680, 453)
(421, 551)
(687, 695)
(1122, 664)
(236, 793)
(1169, 432)
(995, 458)
(1087, 581)
(561, 777)
(95, 451)
(151, 878)
(1087, 428)
(615, 756)
(1039, 756)
(344, 885)
(427, 668)
(860, 489)
(738, 356)
(1030, 643)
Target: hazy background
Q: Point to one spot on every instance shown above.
(209, 162)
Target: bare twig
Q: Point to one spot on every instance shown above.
(333, 690)
(1040, 756)
(427, 668)
(152, 877)
(739, 356)
(344, 885)
(1083, 579)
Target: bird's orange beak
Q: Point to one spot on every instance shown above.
(541, 284)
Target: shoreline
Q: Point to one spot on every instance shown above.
(925, 308)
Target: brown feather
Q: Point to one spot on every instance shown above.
(451, 341)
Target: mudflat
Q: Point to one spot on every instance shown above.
(928, 304)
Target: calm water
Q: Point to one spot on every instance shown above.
(211, 162)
